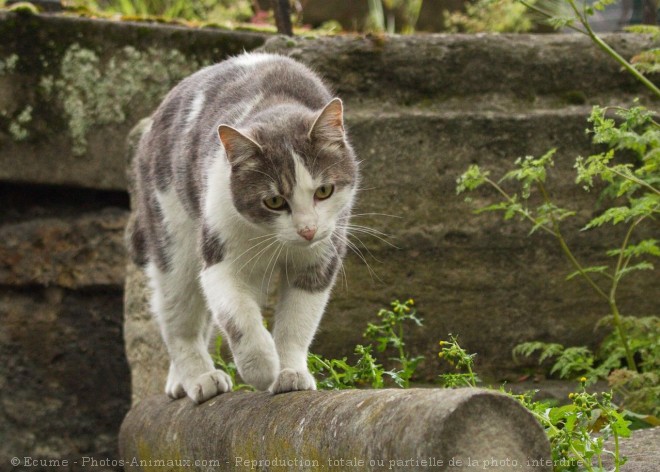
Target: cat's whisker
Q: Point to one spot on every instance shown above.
(261, 237)
(233, 261)
(341, 264)
(286, 266)
(259, 253)
(375, 214)
(365, 247)
(367, 228)
(358, 252)
(273, 258)
(371, 232)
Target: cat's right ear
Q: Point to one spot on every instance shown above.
(238, 147)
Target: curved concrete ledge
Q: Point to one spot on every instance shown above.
(415, 429)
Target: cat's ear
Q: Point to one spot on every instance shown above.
(238, 146)
(329, 125)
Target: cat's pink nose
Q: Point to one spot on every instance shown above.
(307, 232)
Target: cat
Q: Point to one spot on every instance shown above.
(244, 170)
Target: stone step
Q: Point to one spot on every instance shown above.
(409, 69)
(447, 135)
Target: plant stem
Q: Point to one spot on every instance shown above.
(567, 251)
(616, 316)
(611, 52)
(634, 179)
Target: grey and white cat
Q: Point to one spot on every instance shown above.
(244, 171)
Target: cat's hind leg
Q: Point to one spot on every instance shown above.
(185, 322)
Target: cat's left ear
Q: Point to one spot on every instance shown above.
(329, 125)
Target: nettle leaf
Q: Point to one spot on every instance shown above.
(612, 215)
(559, 22)
(472, 178)
(592, 269)
(573, 361)
(641, 266)
(548, 350)
(643, 248)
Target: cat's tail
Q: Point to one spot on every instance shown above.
(134, 237)
(135, 240)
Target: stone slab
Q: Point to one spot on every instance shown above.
(69, 252)
(72, 88)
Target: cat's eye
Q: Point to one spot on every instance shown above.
(275, 203)
(324, 191)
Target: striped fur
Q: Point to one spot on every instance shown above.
(223, 142)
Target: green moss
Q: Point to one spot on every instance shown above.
(96, 92)
(8, 64)
(17, 128)
(25, 8)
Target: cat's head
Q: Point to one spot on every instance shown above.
(293, 172)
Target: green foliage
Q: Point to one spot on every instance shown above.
(199, 10)
(632, 181)
(495, 16)
(459, 359)
(568, 14)
(388, 336)
(578, 431)
(381, 16)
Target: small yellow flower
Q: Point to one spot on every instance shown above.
(571, 395)
(583, 380)
(441, 354)
(442, 343)
(410, 301)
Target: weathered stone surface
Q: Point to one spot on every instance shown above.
(68, 252)
(642, 451)
(63, 375)
(434, 68)
(416, 429)
(71, 89)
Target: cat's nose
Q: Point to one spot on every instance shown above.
(307, 232)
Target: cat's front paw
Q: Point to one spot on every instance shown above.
(290, 380)
(208, 385)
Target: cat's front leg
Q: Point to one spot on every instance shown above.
(239, 316)
(296, 320)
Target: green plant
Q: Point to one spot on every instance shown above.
(578, 431)
(459, 359)
(382, 15)
(577, 18)
(388, 335)
(496, 16)
(632, 182)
